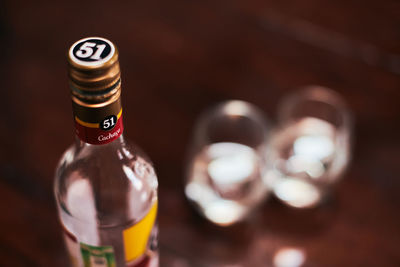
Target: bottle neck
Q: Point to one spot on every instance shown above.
(98, 123)
(81, 144)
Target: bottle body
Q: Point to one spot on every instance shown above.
(107, 201)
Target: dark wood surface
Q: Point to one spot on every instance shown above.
(177, 58)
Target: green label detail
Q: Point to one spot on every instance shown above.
(97, 256)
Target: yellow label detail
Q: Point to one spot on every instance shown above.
(93, 125)
(137, 236)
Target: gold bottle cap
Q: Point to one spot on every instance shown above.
(94, 72)
(94, 77)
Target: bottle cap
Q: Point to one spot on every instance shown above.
(95, 81)
(94, 72)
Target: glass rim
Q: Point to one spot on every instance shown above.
(319, 94)
(228, 108)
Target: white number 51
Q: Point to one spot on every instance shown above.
(86, 50)
(108, 123)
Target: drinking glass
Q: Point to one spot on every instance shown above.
(227, 161)
(309, 149)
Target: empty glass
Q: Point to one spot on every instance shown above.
(227, 161)
(310, 148)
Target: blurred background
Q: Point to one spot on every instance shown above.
(178, 58)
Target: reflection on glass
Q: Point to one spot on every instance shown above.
(289, 257)
(297, 193)
(221, 176)
(230, 164)
(236, 108)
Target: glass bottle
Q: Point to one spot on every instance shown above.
(105, 187)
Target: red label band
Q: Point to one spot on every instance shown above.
(92, 133)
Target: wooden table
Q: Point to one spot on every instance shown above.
(177, 58)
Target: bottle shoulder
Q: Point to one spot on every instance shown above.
(106, 158)
(116, 181)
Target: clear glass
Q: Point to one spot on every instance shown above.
(310, 148)
(226, 162)
(101, 190)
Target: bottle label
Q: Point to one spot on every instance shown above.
(103, 132)
(97, 256)
(136, 238)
